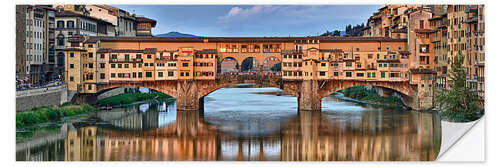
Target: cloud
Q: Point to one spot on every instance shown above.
(238, 13)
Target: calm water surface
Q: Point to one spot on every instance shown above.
(241, 124)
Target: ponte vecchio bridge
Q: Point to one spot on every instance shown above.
(188, 68)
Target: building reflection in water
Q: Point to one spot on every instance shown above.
(162, 134)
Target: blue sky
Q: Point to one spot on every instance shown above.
(252, 20)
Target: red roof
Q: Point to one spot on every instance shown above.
(146, 20)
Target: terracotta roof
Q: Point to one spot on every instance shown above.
(422, 71)
(146, 20)
(76, 39)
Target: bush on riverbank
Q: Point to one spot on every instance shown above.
(50, 114)
(128, 98)
(361, 93)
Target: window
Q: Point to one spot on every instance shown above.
(182, 73)
(373, 74)
(348, 74)
(103, 76)
(429, 77)
(382, 74)
(126, 65)
(170, 73)
(114, 56)
(322, 73)
(138, 56)
(348, 64)
(421, 24)
(368, 75)
(160, 74)
(103, 65)
(360, 74)
(185, 64)
(91, 65)
(323, 64)
(145, 64)
(380, 65)
(151, 64)
(422, 78)
(102, 56)
(127, 57)
(149, 74)
(385, 65)
(60, 24)
(71, 54)
(89, 87)
(187, 74)
(119, 65)
(139, 74)
(70, 24)
(149, 56)
(71, 66)
(71, 79)
(113, 75)
(134, 75)
(335, 73)
(113, 65)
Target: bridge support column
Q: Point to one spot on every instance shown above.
(309, 98)
(187, 95)
(84, 98)
(423, 99)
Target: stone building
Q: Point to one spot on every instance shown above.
(34, 43)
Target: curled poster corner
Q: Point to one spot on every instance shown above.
(452, 133)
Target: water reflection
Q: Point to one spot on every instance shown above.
(273, 130)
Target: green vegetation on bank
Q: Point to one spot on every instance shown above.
(128, 98)
(458, 103)
(50, 114)
(370, 95)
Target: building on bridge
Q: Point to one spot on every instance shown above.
(312, 67)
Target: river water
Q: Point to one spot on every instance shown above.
(244, 124)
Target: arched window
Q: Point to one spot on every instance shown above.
(60, 24)
(70, 24)
(60, 40)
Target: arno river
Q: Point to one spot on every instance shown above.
(245, 124)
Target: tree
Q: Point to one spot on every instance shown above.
(336, 33)
(458, 103)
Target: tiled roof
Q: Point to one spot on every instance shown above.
(72, 49)
(146, 20)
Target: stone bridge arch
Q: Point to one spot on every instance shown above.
(408, 92)
(167, 87)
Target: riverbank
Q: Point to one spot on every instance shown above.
(130, 98)
(36, 116)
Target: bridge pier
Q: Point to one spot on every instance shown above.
(187, 95)
(84, 98)
(309, 98)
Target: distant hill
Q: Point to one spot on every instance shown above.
(175, 34)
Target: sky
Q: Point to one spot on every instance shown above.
(252, 20)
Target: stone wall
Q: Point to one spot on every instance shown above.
(28, 99)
